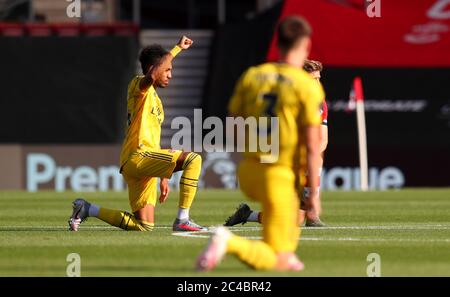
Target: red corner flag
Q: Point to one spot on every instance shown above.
(357, 86)
(356, 94)
(357, 102)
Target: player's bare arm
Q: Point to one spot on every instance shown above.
(165, 189)
(313, 159)
(323, 138)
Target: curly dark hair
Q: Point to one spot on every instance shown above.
(150, 55)
(311, 66)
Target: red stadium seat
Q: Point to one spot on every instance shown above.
(37, 29)
(107, 29)
(11, 29)
(96, 29)
(126, 29)
(67, 29)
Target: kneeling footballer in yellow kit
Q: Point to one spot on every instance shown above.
(142, 161)
(284, 91)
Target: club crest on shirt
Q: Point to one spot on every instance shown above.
(157, 112)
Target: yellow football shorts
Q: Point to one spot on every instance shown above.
(274, 187)
(141, 173)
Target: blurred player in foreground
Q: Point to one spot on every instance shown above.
(142, 161)
(285, 91)
(310, 205)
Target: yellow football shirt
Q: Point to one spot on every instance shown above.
(283, 91)
(145, 116)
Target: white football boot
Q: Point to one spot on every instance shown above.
(215, 250)
(80, 213)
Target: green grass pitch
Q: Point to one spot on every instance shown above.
(409, 229)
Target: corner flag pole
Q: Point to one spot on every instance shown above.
(362, 136)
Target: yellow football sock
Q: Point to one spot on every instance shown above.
(123, 220)
(255, 253)
(189, 179)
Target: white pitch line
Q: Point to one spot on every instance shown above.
(242, 228)
(206, 234)
(196, 234)
(399, 227)
(380, 227)
(374, 227)
(61, 228)
(101, 228)
(305, 238)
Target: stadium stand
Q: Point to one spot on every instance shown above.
(67, 29)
